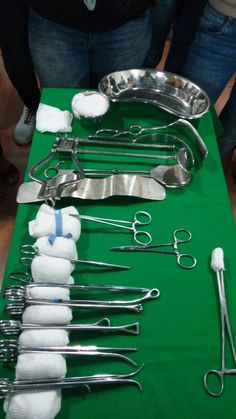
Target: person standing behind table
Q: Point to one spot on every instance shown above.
(18, 63)
(180, 16)
(74, 43)
(212, 62)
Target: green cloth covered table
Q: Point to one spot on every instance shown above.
(180, 332)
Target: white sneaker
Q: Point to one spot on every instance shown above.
(25, 127)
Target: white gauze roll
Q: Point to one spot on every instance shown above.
(48, 293)
(46, 222)
(55, 315)
(33, 405)
(32, 366)
(61, 248)
(44, 337)
(46, 269)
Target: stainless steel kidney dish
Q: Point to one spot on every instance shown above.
(168, 91)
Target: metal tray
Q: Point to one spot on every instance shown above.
(168, 91)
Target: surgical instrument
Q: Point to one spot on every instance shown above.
(184, 260)
(80, 287)
(140, 218)
(10, 387)
(10, 349)
(97, 188)
(14, 327)
(217, 264)
(32, 251)
(172, 176)
(135, 130)
(18, 308)
(21, 293)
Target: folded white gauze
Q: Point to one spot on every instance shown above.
(44, 337)
(55, 222)
(33, 405)
(61, 248)
(46, 269)
(40, 366)
(48, 292)
(51, 119)
(55, 315)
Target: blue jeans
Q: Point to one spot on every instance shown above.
(66, 57)
(211, 63)
(183, 17)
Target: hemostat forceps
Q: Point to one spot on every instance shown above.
(181, 258)
(217, 264)
(32, 251)
(140, 218)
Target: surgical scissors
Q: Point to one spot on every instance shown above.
(217, 264)
(140, 218)
(32, 251)
(181, 235)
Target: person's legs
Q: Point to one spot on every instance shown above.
(162, 16)
(227, 142)
(60, 53)
(18, 63)
(211, 63)
(15, 51)
(120, 49)
(9, 174)
(212, 58)
(184, 28)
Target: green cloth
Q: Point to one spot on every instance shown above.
(180, 332)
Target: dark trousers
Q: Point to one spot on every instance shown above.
(182, 16)
(15, 50)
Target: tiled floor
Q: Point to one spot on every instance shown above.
(10, 110)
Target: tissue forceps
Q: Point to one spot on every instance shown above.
(140, 218)
(32, 251)
(14, 327)
(184, 260)
(225, 329)
(8, 387)
(20, 293)
(10, 349)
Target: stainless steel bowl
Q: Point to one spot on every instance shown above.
(168, 91)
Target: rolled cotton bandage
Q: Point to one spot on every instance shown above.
(53, 222)
(89, 104)
(32, 366)
(48, 292)
(44, 337)
(33, 405)
(61, 248)
(52, 119)
(47, 315)
(46, 269)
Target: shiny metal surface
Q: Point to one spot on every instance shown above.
(138, 133)
(115, 185)
(171, 176)
(10, 349)
(168, 91)
(16, 386)
(15, 327)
